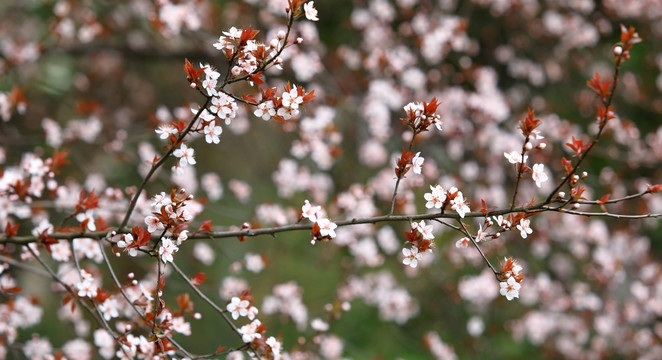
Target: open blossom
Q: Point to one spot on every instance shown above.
(153, 223)
(459, 205)
(425, 230)
(539, 175)
(275, 346)
(167, 249)
(212, 133)
(311, 12)
(510, 288)
(412, 256)
(238, 307)
(327, 228)
(86, 287)
(436, 198)
(417, 163)
(265, 110)
(524, 227)
(249, 332)
(310, 212)
(127, 239)
(462, 243)
(292, 99)
(185, 154)
(165, 130)
(515, 157)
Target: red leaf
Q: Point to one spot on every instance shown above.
(11, 230)
(604, 199)
(602, 88)
(198, 279)
(192, 74)
(219, 349)
(58, 159)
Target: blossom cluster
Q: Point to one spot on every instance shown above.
(323, 228)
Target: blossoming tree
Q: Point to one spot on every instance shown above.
(427, 160)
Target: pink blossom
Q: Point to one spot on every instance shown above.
(311, 12)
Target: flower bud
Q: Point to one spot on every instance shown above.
(575, 206)
(584, 174)
(618, 51)
(541, 146)
(528, 146)
(560, 195)
(274, 43)
(299, 40)
(193, 85)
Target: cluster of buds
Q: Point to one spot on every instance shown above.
(419, 116)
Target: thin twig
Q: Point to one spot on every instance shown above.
(212, 304)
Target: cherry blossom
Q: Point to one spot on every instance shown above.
(524, 228)
(311, 212)
(212, 133)
(185, 154)
(412, 257)
(311, 12)
(238, 307)
(458, 204)
(462, 243)
(510, 288)
(417, 163)
(250, 332)
(167, 249)
(436, 198)
(327, 228)
(515, 157)
(539, 175)
(425, 230)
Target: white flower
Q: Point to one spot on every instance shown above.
(233, 33)
(417, 163)
(238, 307)
(539, 175)
(275, 346)
(292, 99)
(436, 198)
(412, 256)
(249, 331)
(165, 130)
(212, 132)
(524, 227)
(462, 243)
(510, 288)
(311, 12)
(153, 223)
(185, 154)
(327, 228)
(458, 204)
(265, 110)
(515, 157)
(310, 212)
(167, 249)
(425, 230)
